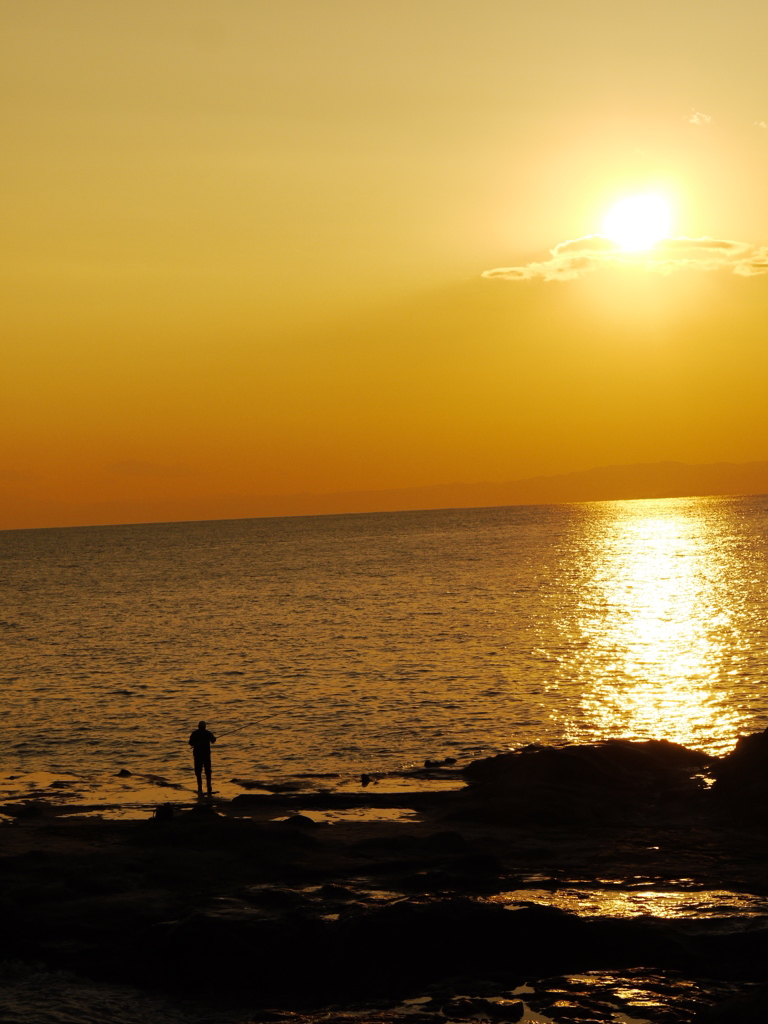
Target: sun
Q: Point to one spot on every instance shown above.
(638, 222)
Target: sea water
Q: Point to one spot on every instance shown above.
(335, 645)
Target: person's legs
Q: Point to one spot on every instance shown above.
(199, 774)
(207, 766)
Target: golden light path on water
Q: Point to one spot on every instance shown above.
(658, 630)
(345, 644)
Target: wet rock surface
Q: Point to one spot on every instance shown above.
(611, 780)
(577, 884)
(741, 778)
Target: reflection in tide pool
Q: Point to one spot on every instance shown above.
(668, 903)
(659, 628)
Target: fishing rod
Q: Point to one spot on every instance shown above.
(247, 725)
(231, 732)
(258, 721)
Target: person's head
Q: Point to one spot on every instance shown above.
(201, 725)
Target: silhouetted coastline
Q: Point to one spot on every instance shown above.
(641, 861)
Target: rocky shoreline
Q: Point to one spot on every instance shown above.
(559, 884)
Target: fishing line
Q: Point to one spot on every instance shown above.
(257, 721)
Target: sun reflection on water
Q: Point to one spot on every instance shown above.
(656, 630)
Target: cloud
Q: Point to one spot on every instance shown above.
(580, 256)
(760, 124)
(597, 244)
(702, 120)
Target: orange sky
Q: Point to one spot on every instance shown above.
(244, 246)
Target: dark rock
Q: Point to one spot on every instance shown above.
(276, 897)
(205, 810)
(159, 780)
(562, 1010)
(490, 1009)
(163, 812)
(505, 1009)
(302, 821)
(446, 842)
(349, 909)
(479, 865)
(477, 873)
(397, 846)
(273, 1015)
(249, 784)
(411, 942)
(265, 1016)
(751, 1008)
(27, 809)
(202, 828)
(587, 782)
(462, 1008)
(124, 774)
(741, 777)
(242, 948)
(331, 891)
(252, 799)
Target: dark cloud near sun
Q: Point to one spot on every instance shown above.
(589, 244)
(706, 244)
(580, 256)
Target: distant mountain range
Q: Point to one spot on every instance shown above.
(608, 483)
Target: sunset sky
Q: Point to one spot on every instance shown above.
(268, 247)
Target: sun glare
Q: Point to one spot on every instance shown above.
(638, 222)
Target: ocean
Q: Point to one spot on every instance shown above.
(328, 646)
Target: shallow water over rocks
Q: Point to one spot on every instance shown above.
(458, 910)
(628, 902)
(32, 995)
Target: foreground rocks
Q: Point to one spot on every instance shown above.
(588, 783)
(294, 914)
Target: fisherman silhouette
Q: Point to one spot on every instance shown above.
(200, 741)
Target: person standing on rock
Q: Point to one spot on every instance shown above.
(201, 741)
